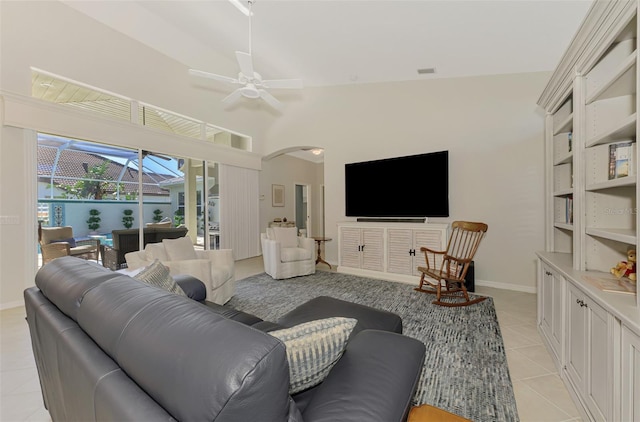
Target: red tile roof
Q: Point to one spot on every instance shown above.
(71, 164)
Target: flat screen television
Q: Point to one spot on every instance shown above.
(411, 186)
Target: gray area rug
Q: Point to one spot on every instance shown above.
(465, 370)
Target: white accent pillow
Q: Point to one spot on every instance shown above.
(313, 348)
(155, 251)
(180, 249)
(287, 236)
(158, 275)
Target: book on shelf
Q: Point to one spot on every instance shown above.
(620, 159)
(611, 284)
(563, 212)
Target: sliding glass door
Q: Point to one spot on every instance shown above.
(96, 188)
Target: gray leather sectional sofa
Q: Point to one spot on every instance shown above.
(110, 348)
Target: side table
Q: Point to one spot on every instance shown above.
(319, 240)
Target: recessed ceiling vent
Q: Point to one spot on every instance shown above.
(426, 70)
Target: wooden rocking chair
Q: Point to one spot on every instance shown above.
(448, 280)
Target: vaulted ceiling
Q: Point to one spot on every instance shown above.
(333, 42)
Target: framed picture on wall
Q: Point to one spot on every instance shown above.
(277, 195)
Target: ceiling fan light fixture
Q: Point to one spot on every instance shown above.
(250, 91)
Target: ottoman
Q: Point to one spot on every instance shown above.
(327, 307)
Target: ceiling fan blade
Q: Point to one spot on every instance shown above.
(270, 99)
(246, 64)
(232, 98)
(208, 75)
(283, 83)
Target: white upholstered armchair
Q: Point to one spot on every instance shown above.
(286, 254)
(215, 268)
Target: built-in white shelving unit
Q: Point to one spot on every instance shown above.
(591, 322)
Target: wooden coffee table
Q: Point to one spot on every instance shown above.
(319, 240)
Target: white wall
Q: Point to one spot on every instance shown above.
(494, 134)
(490, 125)
(288, 171)
(54, 37)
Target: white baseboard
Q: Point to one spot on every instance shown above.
(10, 305)
(506, 286)
(415, 279)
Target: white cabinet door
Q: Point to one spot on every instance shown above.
(404, 245)
(350, 247)
(362, 248)
(400, 245)
(576, 339)
(551, 297)
(599, 386)
(432, 239)
(591, 334)
(372, 249)
(630, 363)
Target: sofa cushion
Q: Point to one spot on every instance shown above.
(155, 251)
(294, 254)
(287, 236)
(313, 348)
(180, 249)
(157, 275)
(71, 241)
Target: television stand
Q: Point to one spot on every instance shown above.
(391, 220)
(387, 250)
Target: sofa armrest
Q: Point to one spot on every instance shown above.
(198, 268)
(218, 258)
(308, 244)
(193, 287)
(374, 380)
(271, 250)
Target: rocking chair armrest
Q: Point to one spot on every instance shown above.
(427, 250)
(430, 256)
(459, 261)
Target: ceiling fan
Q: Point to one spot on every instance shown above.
(252, 84)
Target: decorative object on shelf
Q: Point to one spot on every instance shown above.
(277, 195)
(284, 220)
(94, 220)
(626, 268)
(127, 219)
(620, 159)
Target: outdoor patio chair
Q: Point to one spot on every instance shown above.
(59, 241)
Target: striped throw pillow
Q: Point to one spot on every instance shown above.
(313, 348)
(158, 275)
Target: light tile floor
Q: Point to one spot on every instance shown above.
(540, 393)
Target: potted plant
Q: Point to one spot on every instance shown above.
(94, 220)
(178, 217)
(127, 219)
(157, 216)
